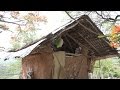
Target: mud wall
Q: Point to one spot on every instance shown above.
(40, 65)
(76, 67)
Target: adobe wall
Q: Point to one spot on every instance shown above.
(76, 67)
(41, 65)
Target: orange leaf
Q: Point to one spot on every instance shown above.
(114, 45)
(115, 29)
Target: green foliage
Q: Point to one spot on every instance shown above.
(108, 67)
(10, 70)
(13, 67)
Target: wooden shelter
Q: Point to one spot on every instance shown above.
(80, 47)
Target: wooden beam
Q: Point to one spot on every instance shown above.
(104, 57)
(65, 29)
(91, 23)
(76, 41)
(68, 28)
(73, 54)
(89, 43)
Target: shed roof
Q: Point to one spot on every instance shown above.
(83, 32)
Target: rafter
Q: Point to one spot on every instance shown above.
(76, 41)
(89, 43)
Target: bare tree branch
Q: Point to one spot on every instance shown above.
(1, 20)
(69, 15)
(108, 19)
(9, 22)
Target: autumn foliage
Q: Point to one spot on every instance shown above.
(113, 44)
(114, 36)
(24, 26)
(115, 29)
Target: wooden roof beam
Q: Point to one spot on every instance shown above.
(89, 43)
(76, 41)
